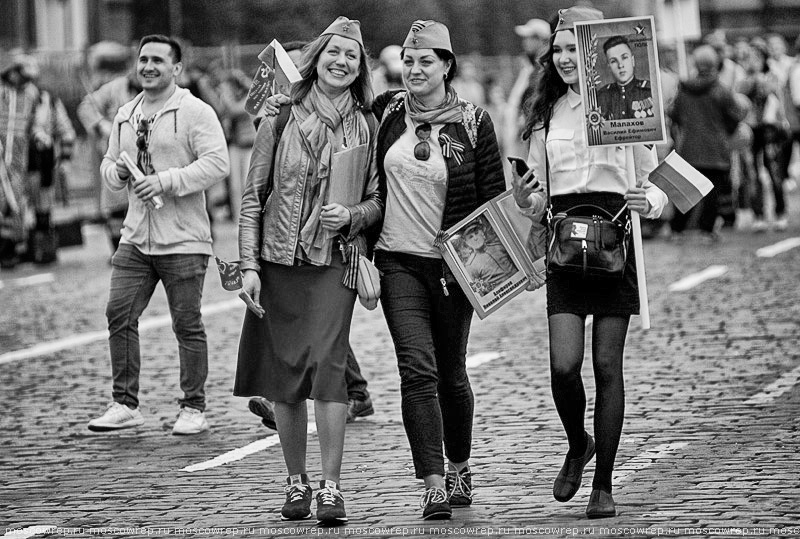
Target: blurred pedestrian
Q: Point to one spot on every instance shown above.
(765, 117)
(389, 73)
(704, 116)
(535, 36)
(438, 161)
(468, 85)
(179, 146)
(241, 134)
(96, 112)
(578, 174)
(22, 127)
(294, 344)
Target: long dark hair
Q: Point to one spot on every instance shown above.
(361, 87)
(548, 89)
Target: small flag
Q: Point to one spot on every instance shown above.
(684, 185)
(229, 274)
(276, 74)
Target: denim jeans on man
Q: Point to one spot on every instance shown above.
(430, 332)
(134, 277)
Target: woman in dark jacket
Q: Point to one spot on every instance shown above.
(437, 161)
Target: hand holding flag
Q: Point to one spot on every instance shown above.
(231, 277)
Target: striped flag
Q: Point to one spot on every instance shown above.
(684, 185)
(275, 75)
(229, 274)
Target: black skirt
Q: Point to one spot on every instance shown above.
(568, 293)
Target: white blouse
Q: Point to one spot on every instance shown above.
(578, 168)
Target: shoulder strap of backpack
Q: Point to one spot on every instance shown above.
(281, 121)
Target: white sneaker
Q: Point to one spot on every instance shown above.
(190, 421)
(117, 416)
(781, 224)
(759, 225)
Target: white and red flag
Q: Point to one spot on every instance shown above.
(275, 75)
(684, 185)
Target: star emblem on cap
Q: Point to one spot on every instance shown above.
(345, 27)
(415, 41)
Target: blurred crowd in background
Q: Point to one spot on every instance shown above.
(56, 139)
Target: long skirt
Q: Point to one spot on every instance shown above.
(298, 350)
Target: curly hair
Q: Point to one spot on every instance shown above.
(549, 88)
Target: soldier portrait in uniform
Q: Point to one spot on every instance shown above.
(487, 262)
(620, 82)
(627, 96)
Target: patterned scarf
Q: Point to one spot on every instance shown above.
(324, 126)
(447, 112)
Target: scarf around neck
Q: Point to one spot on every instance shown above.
(446, 112)
(324, 125)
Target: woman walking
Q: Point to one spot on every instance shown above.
(295, 250)
(579, 174)
(437, 160)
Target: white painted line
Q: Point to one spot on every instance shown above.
(481, 358)
(776, 388)
(645, 460)
(30, 531)
(778, 248)
(40, 278)
(242, 452)
(690, 281)
(85, 338)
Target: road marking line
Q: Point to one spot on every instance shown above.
(776, 388)
(91, 336)
(778, 248)
(30, 531)
(690, 281)
(39, 278)
(645, 460)
(271, 441)
(241, 452)
(481, 358)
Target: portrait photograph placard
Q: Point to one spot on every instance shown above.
(488, 256)
(620, 82)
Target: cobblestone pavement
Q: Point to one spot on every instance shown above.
(710, 444)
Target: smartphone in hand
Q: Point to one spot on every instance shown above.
(521, 167)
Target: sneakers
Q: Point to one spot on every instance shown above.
(265, 410)
(569, 478)
(330, 504)
(359, 408)
(459, 487)
(298, 499)
(190, 421)
(435, 505)
(117, 416)
(759, 225)
(601, 505)
(781, 224)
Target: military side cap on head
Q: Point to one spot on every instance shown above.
(428, 35)
(568, 17)
(345, 27)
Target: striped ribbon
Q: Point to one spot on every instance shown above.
(452, 148)
(350, 253)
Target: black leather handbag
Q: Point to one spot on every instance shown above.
(587, 241)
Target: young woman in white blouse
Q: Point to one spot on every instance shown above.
(577, 175)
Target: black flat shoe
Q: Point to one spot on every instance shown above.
(601, 505)
(569, 478)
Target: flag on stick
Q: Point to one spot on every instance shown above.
(229, 274)
(684, 185)
(276, 74)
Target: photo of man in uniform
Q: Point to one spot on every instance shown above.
(627, 97)
(487, 263)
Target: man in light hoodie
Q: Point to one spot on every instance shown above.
(178, 143)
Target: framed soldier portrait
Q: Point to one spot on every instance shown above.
(620, 82)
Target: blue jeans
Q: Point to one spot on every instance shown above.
(134, 277)
(430, 333)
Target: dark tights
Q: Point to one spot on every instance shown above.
(567, 334)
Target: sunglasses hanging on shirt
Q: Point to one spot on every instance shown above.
(422, 151)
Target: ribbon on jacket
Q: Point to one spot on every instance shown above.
(451, 149)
